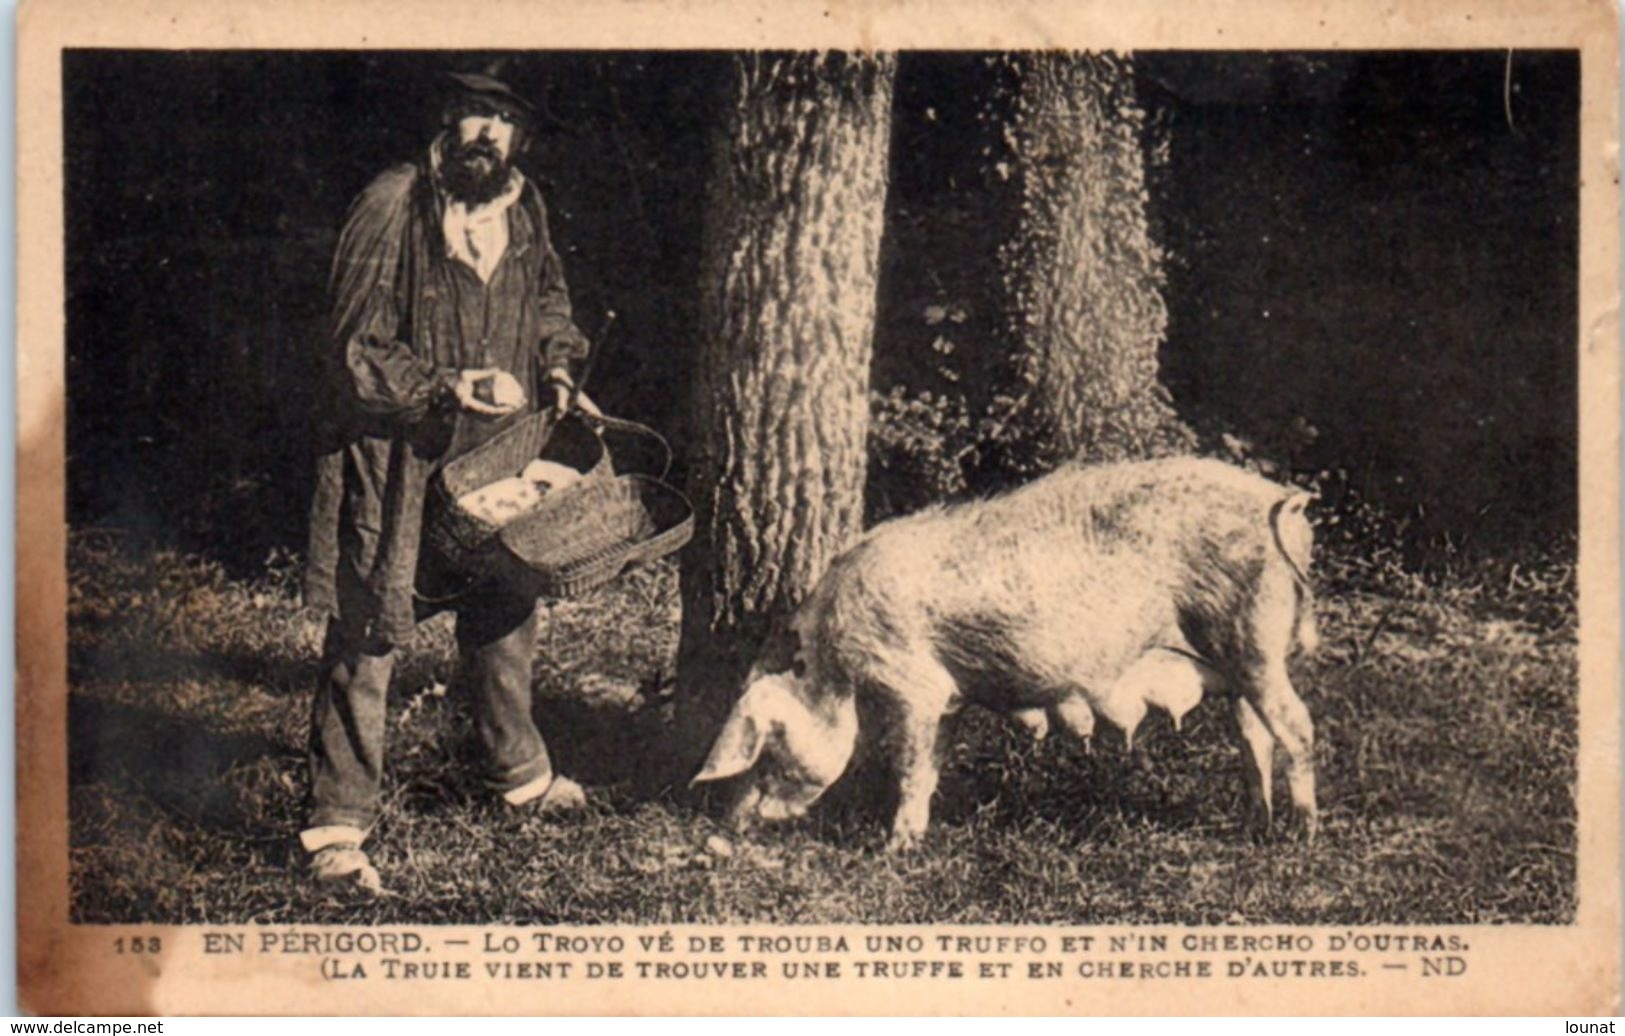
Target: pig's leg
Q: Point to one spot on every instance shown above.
(924, 692)
(1076, 715)
(1270, 691)
(1035, 720)
(1258, 757)
(917, 775)
(1267, 686)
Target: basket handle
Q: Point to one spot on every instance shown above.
(621, 424)
(456, 595)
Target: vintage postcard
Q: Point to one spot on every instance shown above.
(892, 508)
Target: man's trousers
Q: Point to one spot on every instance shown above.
(496, 641)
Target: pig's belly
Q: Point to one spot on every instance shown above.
(1018, 663)
(1041, 672)
(1081, 641)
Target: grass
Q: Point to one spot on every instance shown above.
(1445, 711)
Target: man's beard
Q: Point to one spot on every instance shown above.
(475, 172)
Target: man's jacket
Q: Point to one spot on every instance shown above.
(406, 318)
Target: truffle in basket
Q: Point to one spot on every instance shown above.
(501, 502)
(550, 474)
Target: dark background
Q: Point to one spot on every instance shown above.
(1372, 261)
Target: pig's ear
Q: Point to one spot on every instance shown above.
(735, 750)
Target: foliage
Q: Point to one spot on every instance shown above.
(945, 435)
(916, 450)
(1082, 277)
(1046, 349)
(927, 447)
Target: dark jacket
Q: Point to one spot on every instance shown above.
(405, 319)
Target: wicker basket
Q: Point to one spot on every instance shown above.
(466, 541)
(580, 536)
(593, 533)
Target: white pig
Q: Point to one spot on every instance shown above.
(1091, 591)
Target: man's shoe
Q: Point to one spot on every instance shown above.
(561, 795)
(346, 864)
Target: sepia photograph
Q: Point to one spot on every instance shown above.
(970, 488)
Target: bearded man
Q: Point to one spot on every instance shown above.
(450, 321)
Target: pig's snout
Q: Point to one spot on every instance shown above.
(771, 807)
(791, 748)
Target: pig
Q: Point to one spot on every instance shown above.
(1092, 592)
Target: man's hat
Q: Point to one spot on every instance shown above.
(473, 84)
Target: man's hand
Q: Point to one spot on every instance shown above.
(566, 395)
(585, 404)
(488, 391)
(561, 397)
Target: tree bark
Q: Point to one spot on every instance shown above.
(780, 413)
(1082, 277)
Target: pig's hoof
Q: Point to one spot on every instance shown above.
(1306, 828)
(903, 841)
(1257, 825)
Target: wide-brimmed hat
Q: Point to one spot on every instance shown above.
(490, 89)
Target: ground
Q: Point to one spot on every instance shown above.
(1445, 710)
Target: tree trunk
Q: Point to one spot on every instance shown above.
(1082, 277)
(780, 416)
